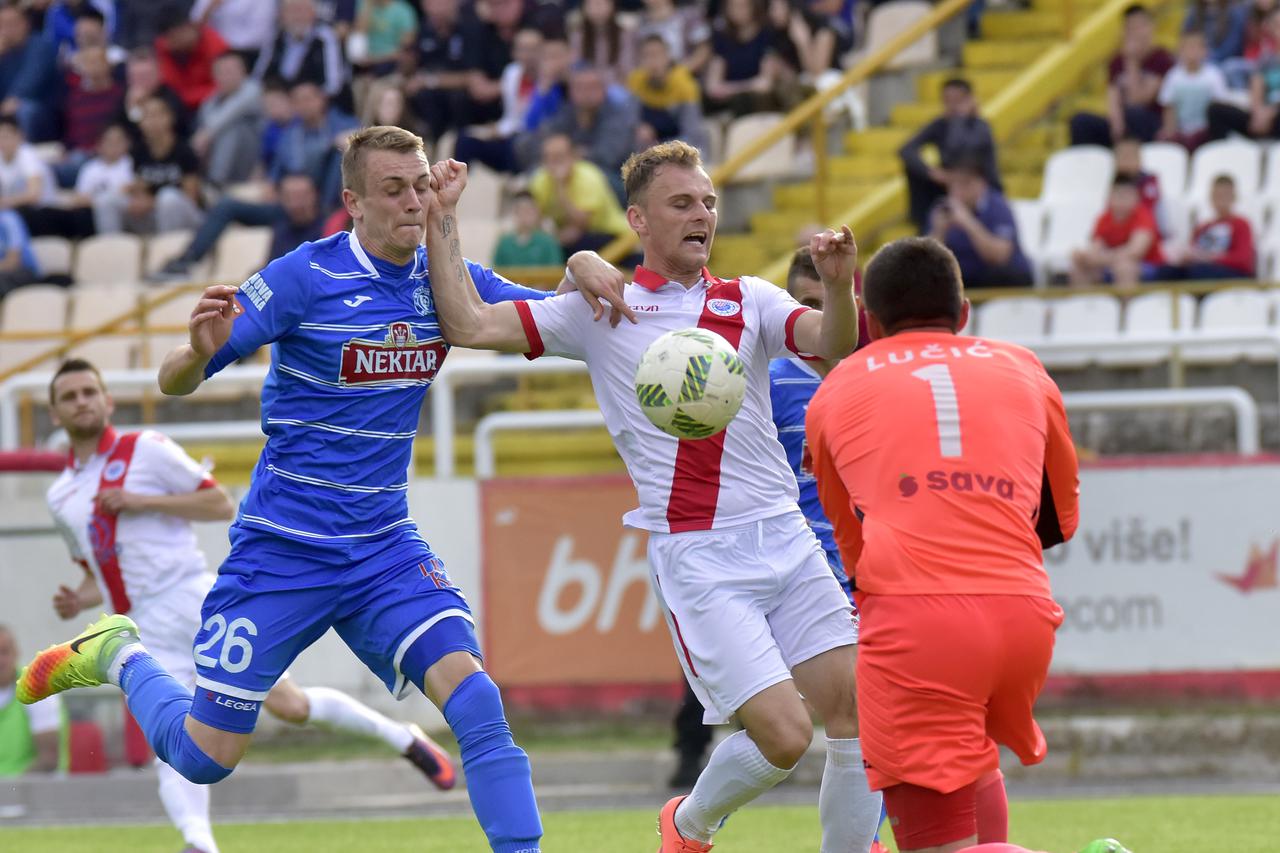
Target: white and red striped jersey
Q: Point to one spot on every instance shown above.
(734, 477)
(136, 555)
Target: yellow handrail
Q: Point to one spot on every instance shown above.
(813, 106)
(1027, 98)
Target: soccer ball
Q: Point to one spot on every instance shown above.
(690, 383)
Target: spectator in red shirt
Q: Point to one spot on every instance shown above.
(186, 51)
(1220, 248)
(1136, 73)
(1125, 248)
(92, 103)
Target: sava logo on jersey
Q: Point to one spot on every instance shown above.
(399, 357)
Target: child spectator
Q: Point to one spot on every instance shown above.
(528, 245)
(1187, 91)
(110, 173)
(166, 194)
(668, 96)
(1125, 248)
(91, 104)
(1222, 247)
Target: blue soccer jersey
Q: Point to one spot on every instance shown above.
(356, 344)
(792, 384)
(323, 539)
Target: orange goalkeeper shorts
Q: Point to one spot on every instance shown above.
(943, 679)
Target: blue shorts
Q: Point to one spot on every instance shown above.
(390, 601)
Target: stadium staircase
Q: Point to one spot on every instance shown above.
(1012, 40)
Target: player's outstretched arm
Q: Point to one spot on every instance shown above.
(465, 319)
(832, 333)
(210, 326)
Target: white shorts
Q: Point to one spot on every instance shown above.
(745, 604)
(168, 622)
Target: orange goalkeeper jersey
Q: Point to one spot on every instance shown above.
(945, 464)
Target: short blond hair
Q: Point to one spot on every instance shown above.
(380, 137)
(639, 170)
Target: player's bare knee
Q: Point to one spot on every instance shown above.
(782, 739)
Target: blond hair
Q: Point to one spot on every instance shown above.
(639, 170)
(380, 137)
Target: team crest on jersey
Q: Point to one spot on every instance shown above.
(723, 307)
(398, 357)
(422, 300)
(114, 470)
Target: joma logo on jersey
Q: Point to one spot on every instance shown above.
(398, 357)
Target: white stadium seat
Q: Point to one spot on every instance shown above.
(1081, 318)
(94, 304)
(33, 308)
(1168, 161)
(1028, 217)
(776, 162)
(1239, 158)
(1081, 172)
(887, 20)
(1069, 226)
(1243, 310)
(109, 259)
(1020, 319)
(53, 254)
(1150, 314)
(486, 203)
(241, 252)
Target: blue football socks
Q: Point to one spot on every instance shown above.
(499, 780)
(160, 703)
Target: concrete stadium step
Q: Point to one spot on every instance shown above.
(1022, 186)
(986, 53)
(913, 116)
(779, 224)
(802, 197)
(1022, 158)
(1015, 26)
(1080, 8)
(986, 83)
(876, 140)
(876, 167)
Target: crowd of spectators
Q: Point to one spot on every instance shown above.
(1225, 78)
(161, 107)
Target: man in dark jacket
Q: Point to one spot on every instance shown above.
(959, 134)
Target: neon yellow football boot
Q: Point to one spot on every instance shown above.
(81, 662)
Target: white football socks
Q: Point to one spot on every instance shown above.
(342, 712)
(187, 805)
(122, 656)
(848, 809)
(736, 774)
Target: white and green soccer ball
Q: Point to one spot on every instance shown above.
(690, 383)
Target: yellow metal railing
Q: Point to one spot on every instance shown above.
(1055, 74)
(812, 113)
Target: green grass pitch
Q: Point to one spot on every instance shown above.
(1239, 824)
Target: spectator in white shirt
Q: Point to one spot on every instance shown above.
(1188, 90)
(25, 178)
